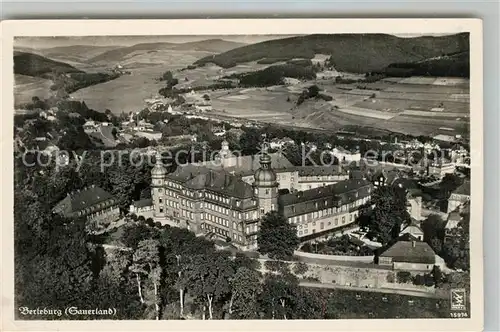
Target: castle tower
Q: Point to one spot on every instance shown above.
(226, 156)
(158, 174)
(265, 184)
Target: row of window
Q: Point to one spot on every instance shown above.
(212, 218)
(352, 217)
(187, 214)
(283, 177)
(323, 177)
(247, 215)
(326, 212)
(173, 185)
(219, 198)
(254, 228)
(214, 229)
(185, 202)
(96, 207)
(169, 192)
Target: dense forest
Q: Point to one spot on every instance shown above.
(357, 53)
(66, 78)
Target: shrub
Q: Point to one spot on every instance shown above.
(325, 97)
(158, 224)
(390, 277)
(314, 279)
(306, 247)
(300, 268)
(277, 266)
(403, 277)
(418, 280)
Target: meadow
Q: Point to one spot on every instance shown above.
(25, 87)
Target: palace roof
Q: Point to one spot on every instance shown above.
(345, 191)
(82, 199)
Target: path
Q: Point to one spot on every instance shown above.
(374, 290)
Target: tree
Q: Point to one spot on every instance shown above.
(167, 76)
(250, 141)
(278, 295)
(433, 228)
(456, 248)
(245, 288)
(206, 97)
(276, 237)
(207, 278)
(145, 264)
(437, 275)
(179, 245)
(136, 232)
(388, 215)
(313, 91)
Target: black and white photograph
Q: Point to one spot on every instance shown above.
(279, 176)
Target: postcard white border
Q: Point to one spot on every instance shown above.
(10, 29)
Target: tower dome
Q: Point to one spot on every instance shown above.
(159, 169)
(265, 175)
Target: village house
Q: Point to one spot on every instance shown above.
(90, 126)
(97, 206)
(408, 256)
(278, 143)
(459, 196)
(346, 156)
(454, 219)
(143, 207)
(440, 168)
(414, 230)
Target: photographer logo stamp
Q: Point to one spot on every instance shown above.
(457, 299)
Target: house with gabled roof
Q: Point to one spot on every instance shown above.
(97, 206)
(408, 256)
(459, 196)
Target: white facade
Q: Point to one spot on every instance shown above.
(345, 156)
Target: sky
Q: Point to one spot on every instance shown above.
(47, 42)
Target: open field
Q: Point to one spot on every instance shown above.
(26, 87)
(417, 109)
(254, 104)
(417, 105)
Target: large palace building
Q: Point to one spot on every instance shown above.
(227, 197)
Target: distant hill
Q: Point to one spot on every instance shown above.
(75, 51)
(65, 78)
(451, 65)
(357, 53)
(35, 65)
(211, 45)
